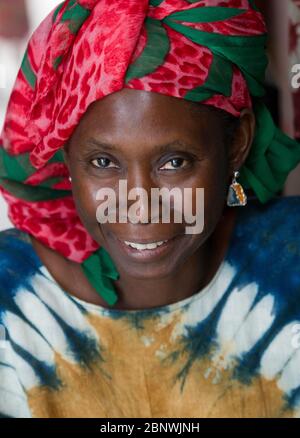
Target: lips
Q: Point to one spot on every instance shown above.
(147, 250)
(145, 246)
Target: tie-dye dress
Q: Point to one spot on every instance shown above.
(230, 350)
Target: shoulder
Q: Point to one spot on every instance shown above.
(268, 234)
(262, 305)
(280, 214)
(18, 260)
(265, 248)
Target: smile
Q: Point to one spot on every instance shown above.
(144, 246)
(148, 251)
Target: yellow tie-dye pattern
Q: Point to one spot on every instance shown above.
(147, 372)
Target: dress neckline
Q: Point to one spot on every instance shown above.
(168, 308)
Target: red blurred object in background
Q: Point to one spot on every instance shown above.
(13, 19)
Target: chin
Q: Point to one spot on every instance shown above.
(148, 272)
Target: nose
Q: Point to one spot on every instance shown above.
(139, 185)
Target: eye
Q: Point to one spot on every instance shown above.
(103, 163)
(176, 163)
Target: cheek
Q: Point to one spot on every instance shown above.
(212, 179)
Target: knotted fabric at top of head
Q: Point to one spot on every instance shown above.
(202, 51)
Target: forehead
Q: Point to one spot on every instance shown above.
(138, 108)
(137, 117)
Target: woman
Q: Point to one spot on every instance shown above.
(161, 94)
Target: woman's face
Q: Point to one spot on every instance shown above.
(151, 141)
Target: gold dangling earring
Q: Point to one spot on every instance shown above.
(236, 196)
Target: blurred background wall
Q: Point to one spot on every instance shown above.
(283, 20)
(18, 18)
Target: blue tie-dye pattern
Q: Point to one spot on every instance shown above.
(257, 225)
(18, 264)
(265, 249)
(271, 258)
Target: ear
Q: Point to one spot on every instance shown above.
(242, 142)
(65, 153)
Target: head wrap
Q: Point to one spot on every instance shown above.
(207, 51)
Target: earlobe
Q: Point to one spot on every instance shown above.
(66, 161)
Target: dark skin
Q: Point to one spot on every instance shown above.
(136, 124)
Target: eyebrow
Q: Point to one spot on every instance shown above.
(159, 148)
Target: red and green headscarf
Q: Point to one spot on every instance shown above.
(208, 51)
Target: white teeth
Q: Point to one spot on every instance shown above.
(142, 246)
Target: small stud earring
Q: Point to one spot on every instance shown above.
(70, 178)
(236, 196)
